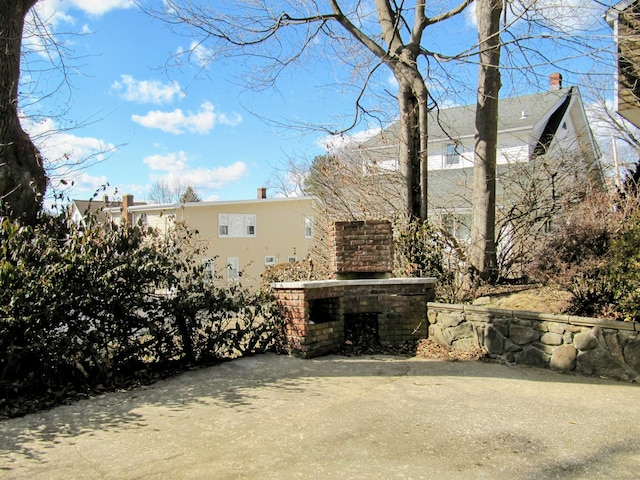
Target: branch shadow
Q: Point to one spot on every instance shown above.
(236, 385)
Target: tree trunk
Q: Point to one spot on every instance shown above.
(482, 255)
(22, 177)
(412, 155)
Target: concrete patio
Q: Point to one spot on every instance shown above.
(376, 417)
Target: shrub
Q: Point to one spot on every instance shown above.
(99, 306)
(421, 250)
(624, 270)
(301, 270)
(595, 257)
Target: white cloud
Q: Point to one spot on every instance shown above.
(568, 16)
(172, 162)
(201, 55)
(177, 122)
(92, 7)
(209, 178)
(173, 168)
(88, 184)
(53, 13)
(65, 152)
(146, 91)
(336, 142)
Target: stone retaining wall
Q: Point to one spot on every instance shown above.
(589, 346)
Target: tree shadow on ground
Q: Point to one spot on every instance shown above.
(250, 383)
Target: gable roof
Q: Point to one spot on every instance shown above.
(97, 207)
(94, 207)
(514, 113)
(612, 14)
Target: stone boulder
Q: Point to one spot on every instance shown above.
(564, 358)
(632, 354)
(522, 335)
(531, 356)
(585, 341)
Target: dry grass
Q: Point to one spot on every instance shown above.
(430, 349)
(544, 299)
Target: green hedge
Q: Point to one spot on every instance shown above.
(105, 306)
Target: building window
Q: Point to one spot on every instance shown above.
(308, 227)
(270, 260)
(452, 155)
(233, 268)
(457, 225)
(250, 223)
(375, 167)
(233, 225)
(208, 268)
(293, 259)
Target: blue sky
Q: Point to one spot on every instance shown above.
(157, 125)
(138, 122)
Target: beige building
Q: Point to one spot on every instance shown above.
(240, 239)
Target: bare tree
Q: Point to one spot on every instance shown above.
(22, 175)
(482, 255)
(620, 139)
(296, 26)
(163, 191)
(531, 35)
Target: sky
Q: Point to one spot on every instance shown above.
(134, 122)
(144, 124)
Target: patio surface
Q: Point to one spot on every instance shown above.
(376, 417)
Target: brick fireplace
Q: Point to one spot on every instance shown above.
(361, 296)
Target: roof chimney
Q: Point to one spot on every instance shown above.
(555, 81)
(262, 193)
(127, 201)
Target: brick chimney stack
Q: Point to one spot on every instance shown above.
(262, 193)
(555, 81)
(127, 201)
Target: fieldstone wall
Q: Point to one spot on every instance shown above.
(585, 345)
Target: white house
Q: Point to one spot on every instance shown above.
(544, 144)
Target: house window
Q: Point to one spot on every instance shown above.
(452, 155)
(293, 258)
(250, 224)
(463, 227)
(374, 167)
(270, 260)
(208, 268)
(457, 225)
(233, 268)
(233, 225)
(308, 227)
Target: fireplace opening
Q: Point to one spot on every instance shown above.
(323, 310)
(361, 329)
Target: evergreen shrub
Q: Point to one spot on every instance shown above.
(103, 306)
